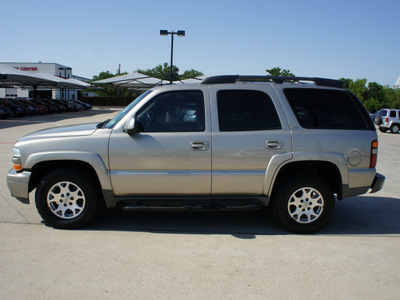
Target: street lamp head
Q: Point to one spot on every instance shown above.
(181, 32)
(163, 32)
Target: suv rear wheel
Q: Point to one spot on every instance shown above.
(67, 198)
(394, 128)
(303, 204)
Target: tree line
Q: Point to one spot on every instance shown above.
(374, 96)
(161, 72)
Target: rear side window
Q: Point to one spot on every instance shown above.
(327, 109)
(393, 114)
(246, 110)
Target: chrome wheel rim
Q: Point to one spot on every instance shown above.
(66, 200)
(305, 205)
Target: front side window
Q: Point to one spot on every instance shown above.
(180, 111)
(246, 110)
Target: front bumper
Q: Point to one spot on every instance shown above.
(18, 184)
(378, 182)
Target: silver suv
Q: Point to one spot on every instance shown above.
(388, 119)
(231, 142)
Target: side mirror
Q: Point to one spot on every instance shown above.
(131, 126)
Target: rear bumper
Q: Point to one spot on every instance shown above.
(378, 182)
(18, 185)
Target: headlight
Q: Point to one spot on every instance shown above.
(16, 159)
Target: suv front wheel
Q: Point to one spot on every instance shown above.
(67, 198)
(303, 204)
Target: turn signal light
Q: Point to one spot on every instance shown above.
(374, 154)
(17, 167)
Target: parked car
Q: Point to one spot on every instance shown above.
(3, 113)
(31, 110)
(388, 119)
(85, 106)
(9, 111)
(60, 106)
(18, 110)
(41, 108)
(76, 106)
(51, 107)
(70, 106)
(220, 144)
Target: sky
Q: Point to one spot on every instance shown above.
(351, 39)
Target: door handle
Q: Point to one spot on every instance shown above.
(274, 145)
(199, 145)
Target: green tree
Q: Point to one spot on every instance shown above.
(161, 72)
(357, 87)
(392, 97)
(164, 72)
(346, 82)
(374, 96)
(109, 90)
(191, 74)
(377, 93)
(372, 105)
(277, 71)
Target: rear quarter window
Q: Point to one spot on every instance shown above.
(328, 109)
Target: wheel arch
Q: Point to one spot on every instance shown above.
(326, 170)
(40, 169)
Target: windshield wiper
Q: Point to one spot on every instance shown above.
(101, 124)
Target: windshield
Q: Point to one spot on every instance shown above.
(123, 112)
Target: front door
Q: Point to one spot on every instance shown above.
(171, 153)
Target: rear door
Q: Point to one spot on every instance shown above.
(249, 129)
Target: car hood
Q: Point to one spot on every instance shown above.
(62, 131)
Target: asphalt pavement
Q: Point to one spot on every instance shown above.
(218, 255)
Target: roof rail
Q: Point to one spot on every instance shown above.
(277, 79)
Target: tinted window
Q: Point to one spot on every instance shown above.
(393, 114)
(180, 111)
(327, 109)
(245, 110)
(382, 113)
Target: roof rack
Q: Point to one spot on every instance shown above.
(277, 79)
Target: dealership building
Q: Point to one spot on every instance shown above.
(45, 92)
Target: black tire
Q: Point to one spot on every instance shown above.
(67, 198)
(303, 204)
(378, 120)
(394, 128)
(383, 129)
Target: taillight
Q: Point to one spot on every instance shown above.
(374, 154)
(386, 120)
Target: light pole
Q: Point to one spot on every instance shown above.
(178, 33)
